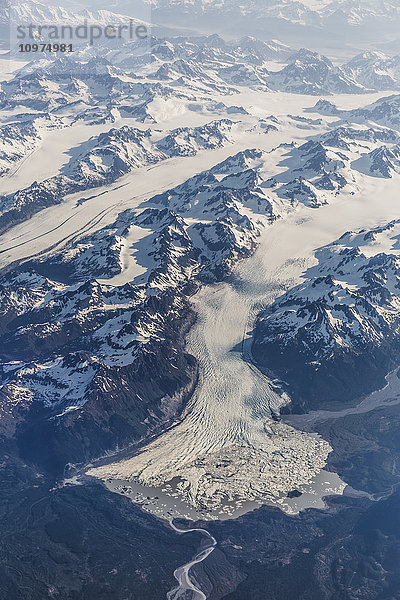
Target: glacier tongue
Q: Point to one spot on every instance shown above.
(227, 449)
(223, 449)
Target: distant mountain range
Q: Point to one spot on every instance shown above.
(320, 23)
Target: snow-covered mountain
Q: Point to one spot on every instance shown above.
(304, 13)
(313, 170)
(343, 319)
(104, 300)
(148, 81)
(35, 12)
(338, 23)
(105, 158)
(374, 70)
(310, 73)
(19, 138)
(382, 162)
(309, 175)
(106, 310)
(384, 111)
(73, 350)
(102, 304)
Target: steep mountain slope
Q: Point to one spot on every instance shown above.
(343, 319)
(382, 162)
(310, 73)
(374, 70)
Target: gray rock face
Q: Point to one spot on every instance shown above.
(84, 356)
(343, 319)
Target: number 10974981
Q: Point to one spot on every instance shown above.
(46, 48)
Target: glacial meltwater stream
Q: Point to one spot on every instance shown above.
(182, 574)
